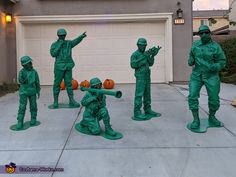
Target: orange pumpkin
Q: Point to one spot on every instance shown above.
(75, 84)
(85, 83)
(108, 84)
(62, 85)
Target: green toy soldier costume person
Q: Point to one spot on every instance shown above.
(207, 59)
(141, 60)
(62, 51)
(95, 110)
(29, 87)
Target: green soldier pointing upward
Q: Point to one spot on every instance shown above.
(62, 51)
(207, 59)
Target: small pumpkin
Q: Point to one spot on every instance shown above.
(108, 84)
(74, 84)
(85, 83)
(62, 85)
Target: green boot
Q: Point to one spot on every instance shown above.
(55, 103)
(33, 118)
(108, 129)
(138, 115)
(72, 101)
(213, 120)
(196, 122)
(20, 119)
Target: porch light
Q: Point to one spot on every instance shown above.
(8, 18)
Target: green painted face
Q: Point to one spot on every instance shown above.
(205, 36)
(62, 37)
(28, 66)
(142, 48)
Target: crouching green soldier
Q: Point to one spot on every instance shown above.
(141, 60)
(29, 88)
(95, 110)
(207, 59)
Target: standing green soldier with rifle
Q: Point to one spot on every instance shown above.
(207, 59)
(62, 51)
(141, 60)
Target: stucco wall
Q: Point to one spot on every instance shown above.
(2, 46)
(182, 34)
(232, 15)
(7, 47)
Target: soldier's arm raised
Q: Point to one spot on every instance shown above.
(77, 40)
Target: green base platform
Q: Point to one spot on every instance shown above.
(204, 125)
(26, 125)
(146, 117)
(63, 105)
(85, 130)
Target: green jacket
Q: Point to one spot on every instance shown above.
(29, 82)
(62, 51)
(141, 62)
(92, 103)
(207, 59)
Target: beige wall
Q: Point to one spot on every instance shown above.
(3, 74)
(220, 23)
(232, 14)
(7, 48)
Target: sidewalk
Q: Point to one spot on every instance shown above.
(160, 147)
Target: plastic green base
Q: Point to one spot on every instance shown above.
(204, 125)
(63, 105)
(85, 130)
(26, 125)
(147, 117)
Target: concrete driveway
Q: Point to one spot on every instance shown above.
(160, 147)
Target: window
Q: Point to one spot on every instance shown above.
(205, 22)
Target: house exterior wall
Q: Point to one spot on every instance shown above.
(220, 23)
(8, 48)
(232, 16)
(89, 7)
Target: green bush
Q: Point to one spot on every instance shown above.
(228, 75)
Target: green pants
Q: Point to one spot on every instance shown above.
(59, 75)
(212, 85)
(23, 104)
(142, 90)
(91, 121)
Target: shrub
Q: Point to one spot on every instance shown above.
(229, 73)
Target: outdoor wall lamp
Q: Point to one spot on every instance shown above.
(179, 13)
(179, 20)
(8, 18)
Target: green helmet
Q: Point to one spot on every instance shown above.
(203, 28)
(142, 41)
(95, 81)
(61, 32)
(25, 60)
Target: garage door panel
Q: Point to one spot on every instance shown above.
(104, 53)
(32, 31)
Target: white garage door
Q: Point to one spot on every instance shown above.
(104, 53)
